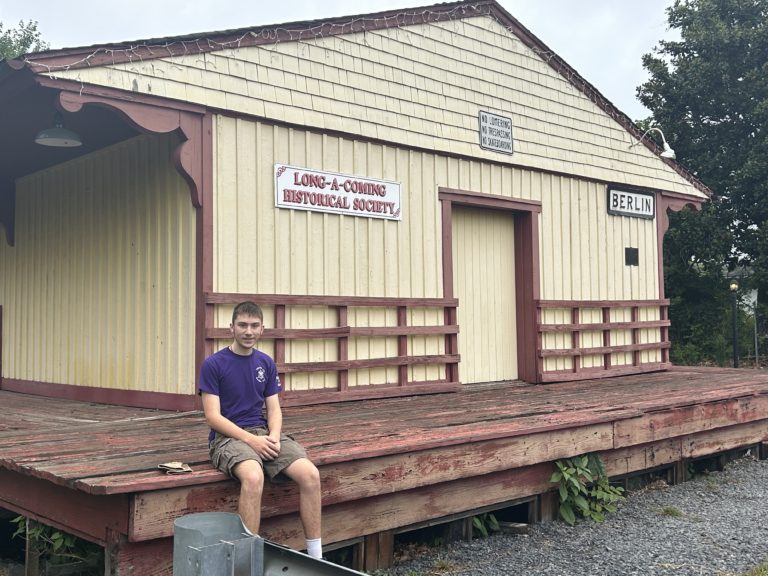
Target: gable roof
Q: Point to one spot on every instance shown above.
(72, 59)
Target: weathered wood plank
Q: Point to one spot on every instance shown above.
(720, 440)
(153, 513)
(646, 457)
(363, 301)
(87, 516)
(688, 419)
(153, 558)
(390, 511)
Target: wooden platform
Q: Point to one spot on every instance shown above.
(386, 464)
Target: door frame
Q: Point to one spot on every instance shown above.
(527, 280)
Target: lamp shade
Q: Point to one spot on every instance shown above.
(668, 152)
(58, 136)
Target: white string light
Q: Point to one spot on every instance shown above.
(362, 24)
(268, 34)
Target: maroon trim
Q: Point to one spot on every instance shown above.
(402, 344)
(134, 398)
(576, 338)
(342, 333)
(607, 349)
(147, 116)
(447, 237)
(317, 300)
(342, 318)
(450, 315)
(280, 342)
(599, 373)
(600, 303)
(675, 202)
(370, 392)
(492, 201)
(527, 278)
(204, 246)
(207, 246)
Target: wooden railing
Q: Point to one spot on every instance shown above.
(281, 334)
(608, 328)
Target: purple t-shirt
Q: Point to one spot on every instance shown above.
(241, 383)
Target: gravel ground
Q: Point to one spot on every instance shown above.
(722, 530)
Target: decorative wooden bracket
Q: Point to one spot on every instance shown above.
(675, 203)
(150, 118)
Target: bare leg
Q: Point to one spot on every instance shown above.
(305, 474)
(251, 478)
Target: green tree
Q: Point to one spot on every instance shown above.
(709, 93)
(16, 41)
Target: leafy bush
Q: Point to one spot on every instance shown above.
(483, 524)
(584, 488)
(56, 546)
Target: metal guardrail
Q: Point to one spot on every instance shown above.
(216, 544)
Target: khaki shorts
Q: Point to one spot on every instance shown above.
(226, 453)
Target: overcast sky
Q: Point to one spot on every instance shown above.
(603, 40)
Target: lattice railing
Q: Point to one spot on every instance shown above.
(444, 333)
(581, 339)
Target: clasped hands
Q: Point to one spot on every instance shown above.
(265, 446)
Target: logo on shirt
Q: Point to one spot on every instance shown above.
(260, 374)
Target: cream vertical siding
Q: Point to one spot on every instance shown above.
(582, 258)
(484, 282)
(582, 246)
(261, 249)
(99, 288)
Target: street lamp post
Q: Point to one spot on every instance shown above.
(734, 286)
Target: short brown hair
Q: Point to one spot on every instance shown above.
(247, 308)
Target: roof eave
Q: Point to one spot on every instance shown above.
(96, 55)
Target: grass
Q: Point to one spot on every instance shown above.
(443, 565)
(671, 511)
(761, 570)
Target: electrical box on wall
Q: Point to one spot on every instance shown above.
(632, 256)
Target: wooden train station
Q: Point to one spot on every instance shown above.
(457, 241)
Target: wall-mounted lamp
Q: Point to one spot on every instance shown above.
(667, 153)
(58, 136)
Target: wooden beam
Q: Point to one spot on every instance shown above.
(152, 513)
(301, 300)
(153, 558)
(390, 511)
(690, 419)
(608, 349)
(366, 363)
(714, 441)
(580, 327)
(597, 304)
(89, 517)
(379, 550)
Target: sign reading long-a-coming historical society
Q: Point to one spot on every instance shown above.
(306, 189)
(631, 203)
